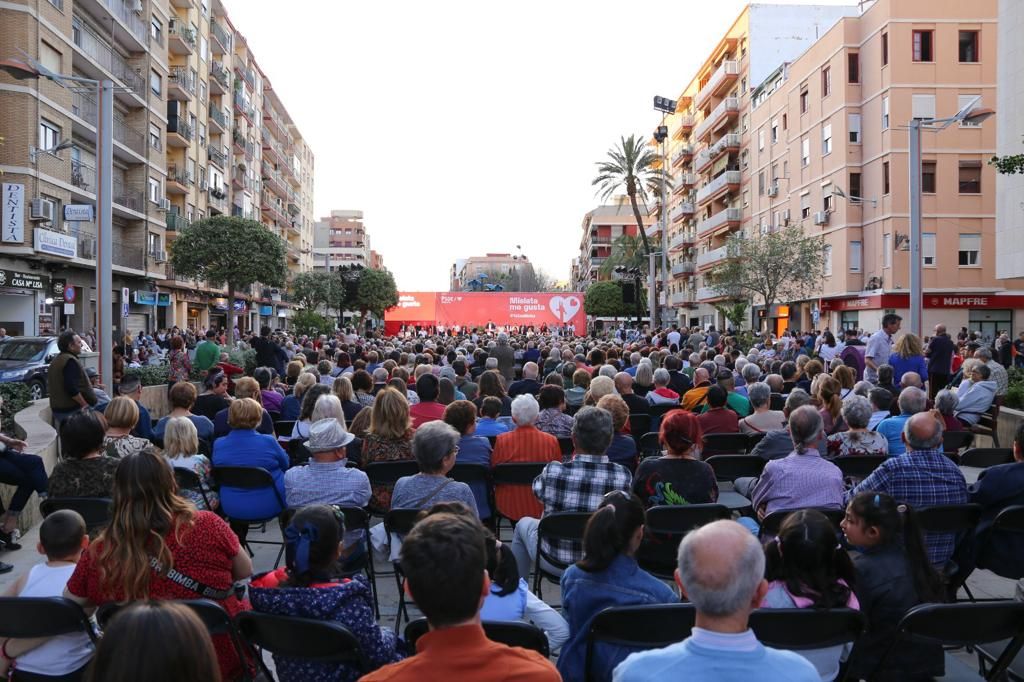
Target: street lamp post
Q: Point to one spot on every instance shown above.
(666, 106)
(969, 113)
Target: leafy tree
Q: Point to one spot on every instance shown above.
(627, 251)
(314, 289)
(311, 323)
(1008, 165)
(210, 250)
(376, 293)
(631, 171)
(734, 311)
(604, 299)
(780, 266)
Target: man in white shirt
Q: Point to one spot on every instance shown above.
(673, 337)
(880, 346)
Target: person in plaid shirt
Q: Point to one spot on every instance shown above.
(921, 477)
(577, 486)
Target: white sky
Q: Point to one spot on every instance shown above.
(462, 127)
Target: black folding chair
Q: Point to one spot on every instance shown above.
(475, 473)
(303, 638)
(298, 453)
(284, 427)
(638, 627)
(95, 510)
(659, 411)
(357, 518)
(388, 473)
(649, 445)
(955, 441)
(964, 624)
(399, 522)
(31, 617)
(512, 633)
(753, 439)
(858, 466)
(566, 526)
(725, 444)
(773, 522)
(983, 458)
(731, 467)
(566, 446)
(189, 480)
(249, 478)
(513, 473)
(493, 440)
(960, 519)
(639, 424)
(664, 529)
(803, 629)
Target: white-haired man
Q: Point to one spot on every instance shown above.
(528, 385)
(526, 443)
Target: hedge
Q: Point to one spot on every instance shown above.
(16, 397)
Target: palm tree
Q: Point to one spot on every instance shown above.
(627, 251)
(631, 171)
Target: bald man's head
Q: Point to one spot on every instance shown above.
(530, 370)
(701, 376)
(911, 379)
(922, 432)
(721, 569)
(623, 383)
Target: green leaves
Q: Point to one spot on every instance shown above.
(316, 288)
(230, 250)
(604, 299)
(377, 292)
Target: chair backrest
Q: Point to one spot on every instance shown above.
(986, 457)
(639, 423)
(187, 479)
(679, 520)
(95, 510)
(859, 466)
(771, 523)
(1011, 519)
(948, 518)
(315, 640)
(400, 521)
(731, 467)
(753, 439)
(512, 633)
(643, 627)
(725, 443)
(650, 444)
(566, 446)
(797, 629)
(954, 441)
(560, 526)
(517, 473)
(470, 473)
(30, 617)
(355, 517)
(284, 427)
(298, 452)
(663, 409)
(389, 472)
(246, 478)
(493, 440)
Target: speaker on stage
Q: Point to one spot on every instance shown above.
(628, 293)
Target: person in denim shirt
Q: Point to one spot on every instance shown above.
(608, 575)
(473, 449)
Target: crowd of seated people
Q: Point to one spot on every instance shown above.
(353, 405)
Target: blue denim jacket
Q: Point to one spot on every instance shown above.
(584, 595)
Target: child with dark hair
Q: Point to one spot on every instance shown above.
(893, 575)
(607, 575)
(490, 410)
(510, 598)
(807, 568)
(62, 539)
(310, 586)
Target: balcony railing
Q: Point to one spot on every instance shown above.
(680, 298)
(176, 29)
(218, 200)
(125, 11)
(682, 269)
(217, 154)
(220, 73)
(682, 210)
(221, 36)
(83, 176)
(730, 141)
(175, 221)
(680, 240)
(727, 71)
(710, 190)
(708, 293)
(599, 239)
(178, 175)
(182, 76)
(712, 257)
(219, 117)
(181, 128)
(100, 50)
(684, 152)
(728, 105)
(729, 215)
(83, 106)
(125, 196)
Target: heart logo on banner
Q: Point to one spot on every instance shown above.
(564, 307)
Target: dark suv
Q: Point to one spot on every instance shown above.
(27, 359)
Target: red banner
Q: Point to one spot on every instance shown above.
(931, 300)
(477, 309)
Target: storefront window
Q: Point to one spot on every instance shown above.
(849, 319)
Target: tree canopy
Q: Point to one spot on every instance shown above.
(604, 299)
(376, 292)
(209, 250)
(315, 289)
(628, 252)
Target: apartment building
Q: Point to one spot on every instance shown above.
(709, 144)
(831, 156)
(341, 240)
(188, 123)
(511, 271)
(1010, 125)
(601, 227)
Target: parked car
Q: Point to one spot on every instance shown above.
(27, 359)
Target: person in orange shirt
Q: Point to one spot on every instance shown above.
(697, 396)
(526, 443)
(444, 561)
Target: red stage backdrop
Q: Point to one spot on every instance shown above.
(476, 309)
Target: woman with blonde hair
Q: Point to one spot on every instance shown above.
(122, 415)
(389, 439)
(847, 378)
(830, 405)
(181, 448)
(151, 530)
(343, 389)
(246, 387)
(292, 405)
(908, 356)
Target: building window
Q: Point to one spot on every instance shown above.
(856, 256)
(202, 92)
(745, 159)
(855, 188)
(826, 139)
(928, 177)
(968, 46)
(852, 67)
(928, 249)
(785, 120)
(202, 134)
(885, 177)
(885, 112)
(746, 198)
(49, 56)
(154, 190)
(805, 205)
(886, 250)
(155, 82)
(156, 30)
(744, 123)
(760, 184)
(760, 139)
(803, 100)
(885, 49)
(922, 46)
(826, 81)
(922, 106)
(970, 249)
(154, 243)
(805, 152)
(154, 136)
(49, 134)
(743, 86)
(826, 255)
(204, 46)
(853, 123)
(970, 177)
(961, 102)
(775, 131)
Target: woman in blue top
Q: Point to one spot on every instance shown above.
(183, 397)
(608, 575)
(473, 449)
(908, 356)
(243, 446)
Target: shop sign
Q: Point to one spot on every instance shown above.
(55, 243)
(951, 300)
(219, 303)
(13, 213)
(240, 306)
(58, 289)
(163, 300)
(145, 297)
(266, 310)
(78, 213)
(26, 281)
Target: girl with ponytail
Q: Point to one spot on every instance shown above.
(893, 575)
(310, 585)
(607, 575)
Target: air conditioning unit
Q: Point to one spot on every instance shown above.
(159, 256)
(773, 190)
(165, 205)
(41, 209)
(821, 218)
(87, 248)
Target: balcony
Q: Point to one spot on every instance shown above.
(681, 211)
(217, 155)
(685, 126)
(709, 294)
(178, 181)
(124, 11)
(239, 212)
(683, 239)
(179, 133)
(600, 239)
(274, 181)
(126, 197)
(217, 201)
(727, 109)
(654, 228)
(721, 80)
(712, 257)
(243, 107)
(221, 40)
(680, 298)
(175, 221)
(83, 176)
(727, 143)
(218, 120)
(272, 208)
(181, 84)
(237, 141)
(727, 182)
(684, 154)
(220, 79)
(84, 107)
(684, 269)
(100, 51)
(181, 39)
(729, 217)
(273, 124)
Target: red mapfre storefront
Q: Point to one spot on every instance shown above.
(881, 301)
(477, 309)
